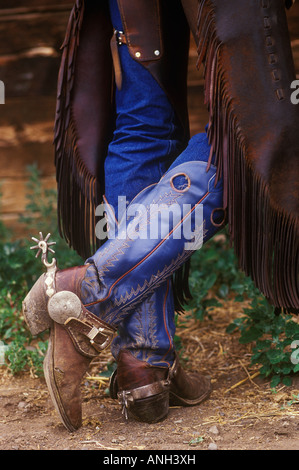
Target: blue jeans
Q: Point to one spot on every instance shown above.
(147, 137)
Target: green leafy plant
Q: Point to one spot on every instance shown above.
(213, 270)
(196, 440)
(22, 356)
(271, 336)
(19, 270)
(41, 216)
(215, 277)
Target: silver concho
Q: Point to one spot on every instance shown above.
(64, 305)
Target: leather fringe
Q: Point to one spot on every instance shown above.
(265, 238)
(77, 188)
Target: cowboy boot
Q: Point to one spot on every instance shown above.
(144, 351)
(125, 270)
(76, 336)
(187, 388)
(145, 391)
(148, 332)
(146, 336)
(142, 389)
(148, 376)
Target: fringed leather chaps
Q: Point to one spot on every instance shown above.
(253, 130)
(84, 122)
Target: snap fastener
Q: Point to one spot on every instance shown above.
(138, 54)
(157, 52)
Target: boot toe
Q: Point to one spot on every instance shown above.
(64, 369)
(196, 389)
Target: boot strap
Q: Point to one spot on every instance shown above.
(127, 398)
(89, 339)
(174, 368)
(89, 334)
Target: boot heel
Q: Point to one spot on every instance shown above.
(152, 409)
(34, 308)
(143, 405)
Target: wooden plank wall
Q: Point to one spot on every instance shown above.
(31, 33)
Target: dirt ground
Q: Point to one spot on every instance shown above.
(242, 413)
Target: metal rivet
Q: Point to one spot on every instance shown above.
(156, 52)
(137, 54)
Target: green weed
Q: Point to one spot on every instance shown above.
(18, 272)
(214, 269)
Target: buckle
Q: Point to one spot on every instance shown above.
(120, 37)
(96, 338)
(94, 332)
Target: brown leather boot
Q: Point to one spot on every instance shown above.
(72, 346)
(35, 304)
(76, 337)
(64, 368)
(145, 392)
(142, 389)
(187, 389)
